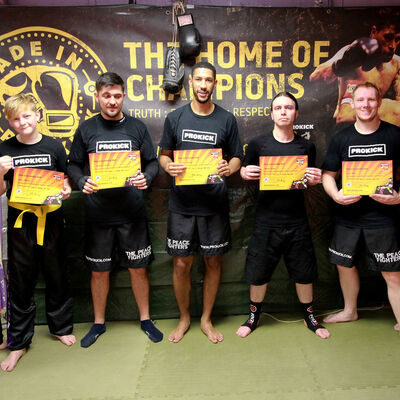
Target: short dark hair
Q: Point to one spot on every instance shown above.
(204, 64)
(368, 85)
(109, 79)
(286, 94)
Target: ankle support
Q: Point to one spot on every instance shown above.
(254, 316)
(309, 318)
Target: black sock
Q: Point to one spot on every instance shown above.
(308, 314)
(95, 331)
(151, 331)
(254, 316)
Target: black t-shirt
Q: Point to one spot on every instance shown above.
(349, 145)
(116, 205)
(48, 154)
(185, 130)
(278, 208)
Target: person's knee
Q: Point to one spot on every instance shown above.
(392, 279)
(213, 262)
(182, 265)
(138, 273)
(100, 276)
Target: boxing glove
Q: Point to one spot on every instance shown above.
(363, 52)
(189, 37)
(174, 72)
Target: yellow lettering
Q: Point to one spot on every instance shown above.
(301, 47)
(36, 48)
(254, 80)
(151, 87)
(75, 62)
(239, 90)
(225, 83)
(60, 52)
(271, 54)
(246, 54)
(318, 53)
(272, 84)
(4, 64)
(132, 46)
(295, 85)
(130, 88)
(207, 54)
(226, 48)
(149, 55)
(17, 52)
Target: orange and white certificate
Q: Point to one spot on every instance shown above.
(367, 177)
(283, 172)
(201, 166)
(37, 186)
(114, 169)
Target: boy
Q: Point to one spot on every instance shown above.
(30, 248)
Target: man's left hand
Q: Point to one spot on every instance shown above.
(140, 182)
(313, 176)
(389, 199)
(223, 168)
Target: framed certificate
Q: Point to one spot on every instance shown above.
(367, 177)
(37, 186)
(114, 169)
(201, 166)
(283, 172)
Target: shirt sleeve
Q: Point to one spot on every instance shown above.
(148, 157)
(252, 155)
(234, 145)
(168, 140)
(333, 161)
(76, 161)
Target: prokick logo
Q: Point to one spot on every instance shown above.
(57, 69)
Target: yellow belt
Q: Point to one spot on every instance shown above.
(40, 211)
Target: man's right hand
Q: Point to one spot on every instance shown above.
(250, 172)
(340, 198)
(175, 169)
(362, 52)
(90, 186)
(5, 164)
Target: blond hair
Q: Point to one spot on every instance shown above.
(368, 85)
(20, 102)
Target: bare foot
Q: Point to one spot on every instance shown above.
(243, 331)
(68, 340)
(397, 327)
(213, 334)
(11, 361)
(341, 316)
(3, 345)
(322, 333)
(177, 334)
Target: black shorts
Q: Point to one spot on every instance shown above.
(130, 242)
(382, 245)
(188, 234)
(268, 244)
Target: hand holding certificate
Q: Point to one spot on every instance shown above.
(114, 169)
(367, 177)
(37, 186)
(201, 166)
(283, 172)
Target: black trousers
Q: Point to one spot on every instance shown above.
(25, 260)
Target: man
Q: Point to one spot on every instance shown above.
(281, 226)
(371, 59)
(199, 215)
(115, 217)
(369, 220)
(35, 234)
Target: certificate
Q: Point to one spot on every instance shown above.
(367, 177)
(283, 172)
(114, 169)
(37, 186)
(201, 166)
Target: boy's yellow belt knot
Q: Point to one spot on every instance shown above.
(40, 211)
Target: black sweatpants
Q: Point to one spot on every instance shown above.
(25, 260)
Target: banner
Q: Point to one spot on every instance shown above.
(56, 55)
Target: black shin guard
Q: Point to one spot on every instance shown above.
(308, 314)
(254, 316)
